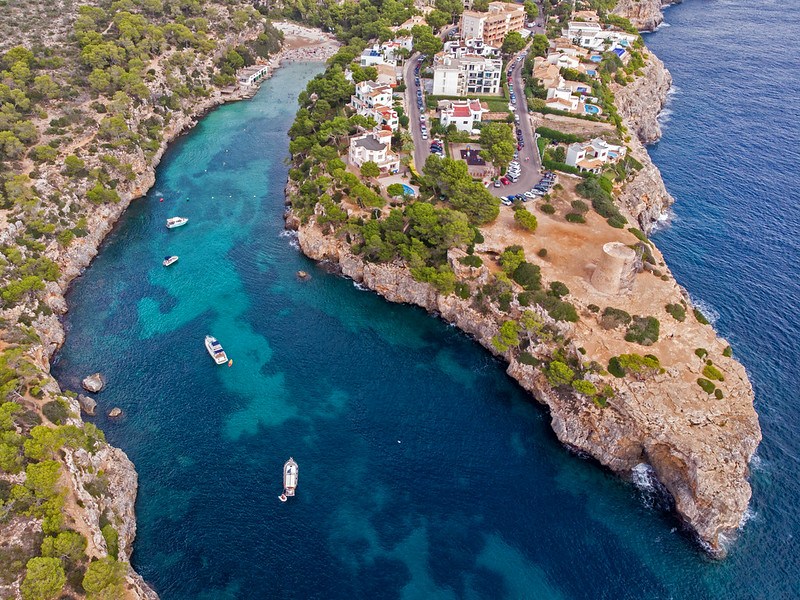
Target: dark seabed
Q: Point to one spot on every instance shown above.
(425, 472)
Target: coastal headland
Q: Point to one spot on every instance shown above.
(567, 305)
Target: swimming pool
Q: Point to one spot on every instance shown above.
(596, 58)
(591, 109)
(408, 190)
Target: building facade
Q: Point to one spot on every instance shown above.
(461, 113)
(375, 101)
(468, 75)
(374, 146)
(492, 27)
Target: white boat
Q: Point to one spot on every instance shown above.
(170, 260)
(291, 473)
(215, 350)
(174, 222)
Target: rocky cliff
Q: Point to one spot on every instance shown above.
(699, 450)
(639, 104)
(645, 15)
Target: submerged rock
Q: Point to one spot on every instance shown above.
(88, 405)
(94, 383)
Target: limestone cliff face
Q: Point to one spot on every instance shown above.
(639, 103)
(698, 450)
(645, 15)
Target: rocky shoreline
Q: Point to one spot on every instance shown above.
(661, 427)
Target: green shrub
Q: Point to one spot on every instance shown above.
(558, 289)
(584, 387)
(111, 537)
(559, 373)
(718, 394)
(643, 330)
(617, 221)
(56, 411)
(575, 218)
(526, 220)
(526, 358)
(639, 234)
(542, 253)
(707, 386)
(701, 318)
(713, 372)
(621, 365)
(511, 258)
(462, 290)
(471, 260)
(526, 298)
(614, 317)
(528, 276)
(677, 311)
(579, 206)
(701, 352)
(728, 352)
(547, 209)
(44, 579)
(593, 308)
(507, 337)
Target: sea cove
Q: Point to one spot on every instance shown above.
(425, 472)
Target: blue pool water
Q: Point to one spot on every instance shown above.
(590, 109)
(424, 471)
(408, 190)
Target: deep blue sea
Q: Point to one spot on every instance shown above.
(425, 472)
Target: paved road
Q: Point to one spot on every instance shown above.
(421, 147)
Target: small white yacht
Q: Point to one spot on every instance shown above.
(170, 260)
(174, 222)
(215, 350)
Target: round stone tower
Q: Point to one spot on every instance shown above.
(616, 269)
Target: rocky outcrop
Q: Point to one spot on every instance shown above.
(645, 15)
(698, 450)
(93, 383)
(88, 405)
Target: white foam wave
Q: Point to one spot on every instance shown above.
(664, 117)
(292, 237)
(749, 515)
(360, 286)
(665, 220)
(709, 312)
(662, 25)
(643, 477)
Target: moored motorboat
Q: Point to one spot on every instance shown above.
(170, 260)
(174, 222)
(291, 473)
(215, 350)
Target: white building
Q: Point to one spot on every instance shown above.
(371, 57)
(375, 100)
(374, 146)
(593, 36)
(391, 49)
(493, 26)
(252, 75)
(467, 75)
(591, 156)
(472, 46)
(461, 113)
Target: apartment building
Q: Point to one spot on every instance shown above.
(492, 27)
(468, 75)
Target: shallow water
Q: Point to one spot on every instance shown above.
(425, 472)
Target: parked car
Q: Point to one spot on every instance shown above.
(530, 195)
(496, 183)
(424, 135)
(504, 180)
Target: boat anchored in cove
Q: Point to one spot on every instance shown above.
(215, 350)
(174, 222)
(291, 472)
(170, 260)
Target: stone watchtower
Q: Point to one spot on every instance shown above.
(616, 269)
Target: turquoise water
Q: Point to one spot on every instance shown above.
(425, 472)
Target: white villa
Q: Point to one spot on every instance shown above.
(472, 46)
(563, 94)
(252, 75)
(593, 155)
(461, 113)
(374, 146)
(594, 37)
(470, 74)
(375, 100)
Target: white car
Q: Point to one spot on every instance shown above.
(530, 195)
(424, 135)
